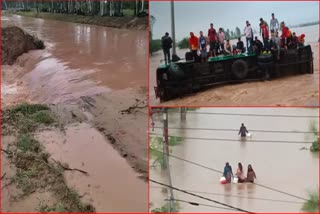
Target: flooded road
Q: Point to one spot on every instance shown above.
(282, 166)
(81, 59)
(301, 90)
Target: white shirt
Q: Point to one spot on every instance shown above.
(274, 24)
(248, 31)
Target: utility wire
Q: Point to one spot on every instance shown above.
(215, 170)
(199, 196)
(236, 196)
(199, 204)
(253, 115)
(235, 140)
(236, 130)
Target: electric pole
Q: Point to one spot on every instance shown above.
(183, 114)
(165, 137)
(173, 28)
(166, 157)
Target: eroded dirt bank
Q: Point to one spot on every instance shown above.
(15, 42)
(95, 129)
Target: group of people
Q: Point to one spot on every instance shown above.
(219, 44)
(228, 174)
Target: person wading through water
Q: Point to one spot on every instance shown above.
(227, 172)
(243, 131)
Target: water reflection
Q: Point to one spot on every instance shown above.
(112, 58)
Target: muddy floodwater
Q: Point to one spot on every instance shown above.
(282, 166)
(79, 59)
(111, 182)
(85, 64)
(300, 90)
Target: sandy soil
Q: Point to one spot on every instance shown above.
(300, 90)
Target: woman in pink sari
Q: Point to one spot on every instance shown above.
(241, 177)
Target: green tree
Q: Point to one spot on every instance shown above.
(154, 45)
(184, 43)
(238, 33)
(315, 144)
(312, 205)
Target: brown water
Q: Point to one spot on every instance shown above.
(82, 59)
(301, 90)
(281, 166)
(112, 185)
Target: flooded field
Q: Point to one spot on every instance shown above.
(301, 90)
(278, 157)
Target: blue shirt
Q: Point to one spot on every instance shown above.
(203, 42)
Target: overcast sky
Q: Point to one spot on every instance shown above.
(196, 16)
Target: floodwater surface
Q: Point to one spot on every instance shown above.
(82, 59)
(111, 185)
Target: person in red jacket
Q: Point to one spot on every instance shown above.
(213, 39)
(194, 45)
(265, 35)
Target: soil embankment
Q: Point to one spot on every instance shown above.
(126, 22)
(15, 42)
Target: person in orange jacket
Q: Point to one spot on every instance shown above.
(301, 40)
(194, 45)
(285, 36)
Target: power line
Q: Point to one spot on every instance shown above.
(199, 196)
(253, 115)
(236, 196)
(235, 140)
(236, 130)
(199, 204)
(215, 170)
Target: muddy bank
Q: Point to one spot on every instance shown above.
(134, 23)
(15, 42)
(122, 117)
(28, 170)
(77, 151)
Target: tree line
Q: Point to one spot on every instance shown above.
(80, 7)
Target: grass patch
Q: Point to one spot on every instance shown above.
(28, 109)
(28, 143)
(165, 208)
(25, 118)
(43, 117)
(34, 171)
